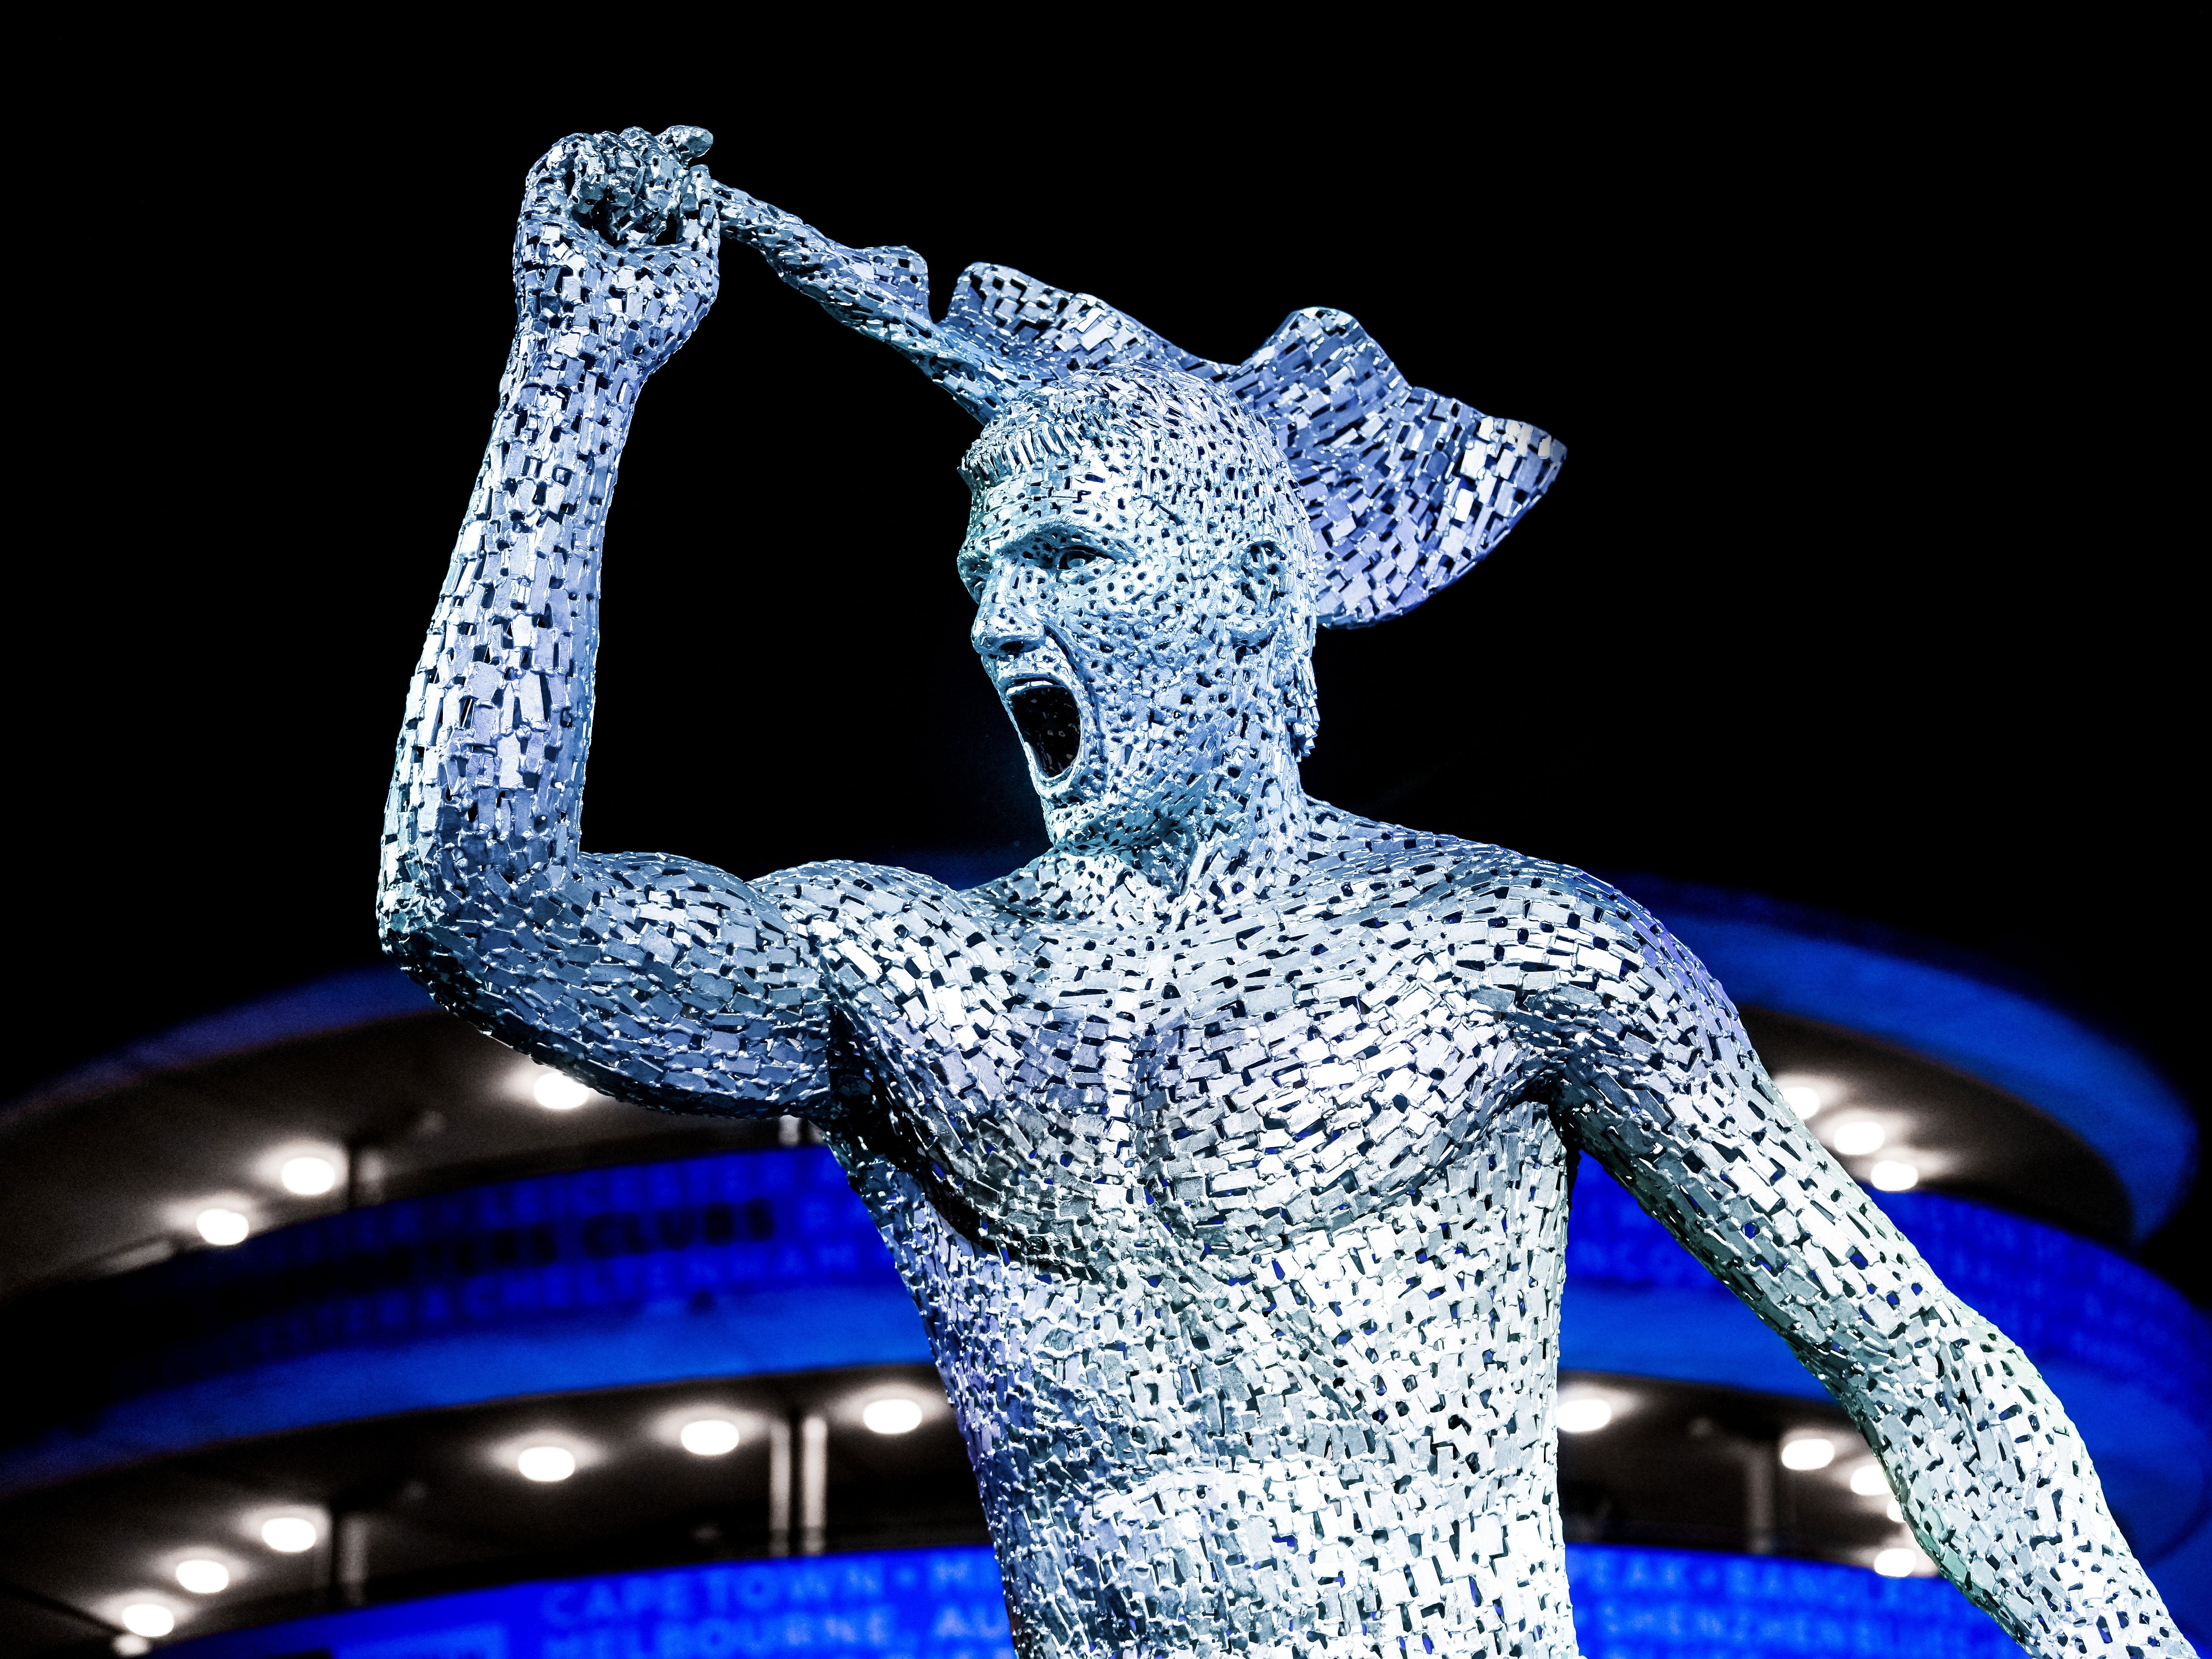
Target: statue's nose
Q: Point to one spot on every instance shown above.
(1006, 622)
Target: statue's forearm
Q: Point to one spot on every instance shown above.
(1992, 1472)
(658, 979)
(880, 292)
(485, 787)
(1663, 1087)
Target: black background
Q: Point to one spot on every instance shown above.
(1865, 584)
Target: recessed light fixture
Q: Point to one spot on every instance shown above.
(220, 1226)
(1896, 1563)
(148, 1619)
(289, 1534)
(308, 1178)
(708, 1436)
(546, 1463)
(1585, 1414)
(1859, 1137)
(202, 1577)
(1895, 1176)
(1801, 1098)
(891, 1416)
(1808, 1451)
(1893, 1512)
(1869, 1481)
(130, 1646)
(557, 1093)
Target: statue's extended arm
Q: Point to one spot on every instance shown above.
(1657, 1079)
(883, 293)
(654, 979)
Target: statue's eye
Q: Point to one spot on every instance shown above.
(1081, 558)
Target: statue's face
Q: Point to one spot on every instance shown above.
(1121, 642)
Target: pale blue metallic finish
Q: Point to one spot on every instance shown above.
(1224, 1146)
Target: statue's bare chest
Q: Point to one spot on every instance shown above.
(1268, 1073)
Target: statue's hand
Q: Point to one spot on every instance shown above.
(619, 235)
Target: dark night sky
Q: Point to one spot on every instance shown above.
(1859, 587)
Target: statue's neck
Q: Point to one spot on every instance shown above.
(1247, 840)
(1244, 842)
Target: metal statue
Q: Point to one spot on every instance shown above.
(1226, 1147)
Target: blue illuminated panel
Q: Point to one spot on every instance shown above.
(2060, 1298)
(710, 1236)
(764, 1262)
(946, 1604)
(1680, 1604)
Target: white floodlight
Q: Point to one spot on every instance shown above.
(1808, 1451)
(308, 1178)
(1869, 1481)
(202, 1577)
(1899, 1562)
(891, 1416)
(1859, 1137)
(1584, 1415)
(1801, 1098)
(1895, 1176)
(708, 1436)
(220, 1226)
(289, 1534)
(557, 1093)
(546, 1463)
(148, 1619)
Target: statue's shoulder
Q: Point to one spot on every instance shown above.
(835, 899)
(1422, 871)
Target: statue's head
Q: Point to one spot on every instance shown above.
(1142, 569)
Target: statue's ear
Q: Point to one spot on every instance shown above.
(1257, 572)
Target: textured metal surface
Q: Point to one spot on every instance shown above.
(1225, 1147)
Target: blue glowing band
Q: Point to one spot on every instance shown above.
(947, 1604)
(1770, 955)
(759, 1263)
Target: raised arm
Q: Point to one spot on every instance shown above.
(657, 980)
(1655, 1079)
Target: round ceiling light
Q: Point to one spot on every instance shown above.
(545, 1463)
(892, 1416)
(1808, 1451)
(708, 1436)
(289, 1534)
(202, 1577)
(1801, 1098)
(1895, 1176)
(222, 1226)
(1896, 1563)
(1869, 1481)
(1859, 1137)
(148, 1619)
(557, 1093)
(308, 1178)
(1584, 1415)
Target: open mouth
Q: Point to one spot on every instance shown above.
(1046, 716)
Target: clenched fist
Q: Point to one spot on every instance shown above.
(616, 250)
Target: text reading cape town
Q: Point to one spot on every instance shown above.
(1224, 1147)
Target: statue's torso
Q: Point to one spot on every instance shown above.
(1244, 1281)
